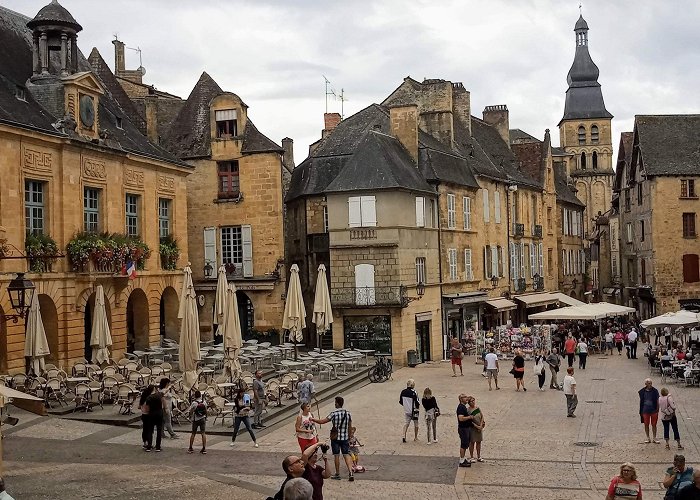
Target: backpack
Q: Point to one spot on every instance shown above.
(677, 485)
(154, 403)
(201, 409)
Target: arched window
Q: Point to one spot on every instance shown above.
(581, 134)
(583, 161)
(594, 134)
(595, 160)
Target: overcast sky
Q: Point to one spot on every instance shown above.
(274, 53)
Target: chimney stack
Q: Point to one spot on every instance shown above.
(497, 116)
(404, 126)
(330, 121)
(119, 62)
(288, 156)
(461, 105)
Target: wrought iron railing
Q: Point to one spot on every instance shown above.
(369, 296)
(538, 283)
(518, 230)
(537, 231)
(519, 285)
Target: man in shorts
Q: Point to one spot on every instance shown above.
(649, 409)
(464, 425)
(342, 421)
(409, 400)
(456, 357)
(198, 410)
(609, 337)
(491, 365)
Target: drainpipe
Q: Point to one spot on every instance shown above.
(443, 316)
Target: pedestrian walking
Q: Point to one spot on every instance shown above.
(4, 495)
(456, 356)
(154, 403)
(411, 408)
(147, 428)
(478, 424)
(570, 349)
(570, 392)
(518, 370)
(313, 472)
(667, 409)
(354, 446)
(342, 421)
(198, 414)
(259, 398)
(692, 491)
(649, 409)
(305, 427)
(582, 348)
(619, 341)
(432, 412)
(241, 410)
(554, 361)
(632, 337)
(306, 389)
(678, 476)
(464, 424)
(166, 389)
(609, 342)
(491, 366)
(625, 485)
(540, 366)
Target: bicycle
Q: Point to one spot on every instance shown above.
(381, 371)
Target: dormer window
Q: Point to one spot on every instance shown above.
(119, 123)
(20, 93)
(226, 123)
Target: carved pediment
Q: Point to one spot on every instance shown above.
(85, 81)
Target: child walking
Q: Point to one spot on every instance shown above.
(354, 448)
(198, 410)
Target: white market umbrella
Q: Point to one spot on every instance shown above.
(101, 339)
(35, 344)
(678, 318)
(230, 329)
(189, 332)
(294, 318)
(323, 313)
(220, 299)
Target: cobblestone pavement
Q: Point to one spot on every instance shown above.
(529, 446)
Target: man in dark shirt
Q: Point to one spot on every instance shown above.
(314, 473)
(464, 424)
(154, 402)
(293, 466)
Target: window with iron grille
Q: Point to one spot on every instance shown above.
(34, 210)
(164, 217)
(91, 210)
(131, 206)
(232, 245)
(689, 225)
(229, 182)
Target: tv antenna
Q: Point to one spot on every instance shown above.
(337, 96)
(140, 69)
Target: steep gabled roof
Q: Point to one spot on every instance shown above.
(624, 159)
(255, 141)
(516, 136)
(565, 193)
(669, 144)
(379, 162)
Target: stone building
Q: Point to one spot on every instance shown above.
(74, 164)
(658, 193)
(585, 132)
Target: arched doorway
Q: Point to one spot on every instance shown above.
(246, 312)
(169, 306)
(3, 342)
(137, 321)
(49, 317)
(88, 315)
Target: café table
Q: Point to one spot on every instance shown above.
(229, 386)
(366, 352)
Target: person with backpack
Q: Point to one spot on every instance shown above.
(154, 405)
(667, 409)
(165, 389)
(198, 411)
(677, 477)
(146, 428)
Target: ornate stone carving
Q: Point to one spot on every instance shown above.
(166, 183)
(133, 177)
(36, 159)
(93, 168)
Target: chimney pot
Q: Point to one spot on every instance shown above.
(404, 126)
(497, 117)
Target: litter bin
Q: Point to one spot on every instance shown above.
(412, 358)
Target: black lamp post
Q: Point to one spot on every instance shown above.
(208, 270)
(21, 292)
(420, 289)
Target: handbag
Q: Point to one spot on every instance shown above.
(334, 429)
(415, 414)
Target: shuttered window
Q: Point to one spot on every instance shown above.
(467, 209)
(420, 270)
(691, 268)
(468, 274)
(420, 211)
(210, 247)
(494, 261)
(451, 212)
(362, 211)
(689, 225)
(452, 259)
(514, 269)
(487, 215)
(540, 259)
(497, 207)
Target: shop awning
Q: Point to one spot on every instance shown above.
(502, 304)
(465, 297)
(587, 311)
(537, 299)
(611, 291)
(569, 301)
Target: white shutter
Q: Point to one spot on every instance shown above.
(513, 262)
(523, 265)
(451, 216)
(562, 264)
(467, 209)
(210, 247)
(486, 262)
(368, 211)
(364, 285)
(533, 260)
(225, 114)
(468, 274)
(566, 221)
(497, 207)
(494, 261)
(540, 256)
(247, 239)
(487, 215)
(420, 211)
(501, 264)
(354, 214)
(452, 262)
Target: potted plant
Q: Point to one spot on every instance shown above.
(169, 253)
(106, 252)
(42, 252)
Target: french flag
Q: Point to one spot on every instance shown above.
(130, 269)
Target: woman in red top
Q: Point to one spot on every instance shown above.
(619, 340)
(625, 486)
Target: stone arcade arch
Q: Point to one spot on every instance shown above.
(137, 319)
(169, 305)
(49, 317)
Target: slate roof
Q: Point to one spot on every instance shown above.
(581, 24)
(190, 135)
(516, 135)
(54, 13)
(565, 193)
(624, 159)
(669, 144)
(15, 71)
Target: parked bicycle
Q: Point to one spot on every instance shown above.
(381, 371)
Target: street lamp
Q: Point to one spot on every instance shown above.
(494, 281)
(21, 292)
(420, 289)
(208, 270)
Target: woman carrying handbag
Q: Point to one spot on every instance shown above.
(432, 412)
